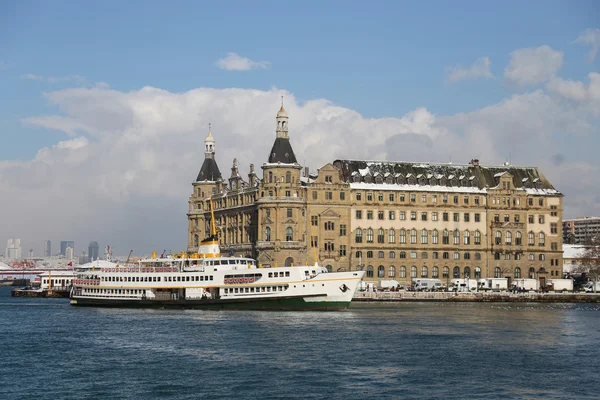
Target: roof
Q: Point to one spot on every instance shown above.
(282, 152)
(209, 171)
(440, 177)
(572, 250)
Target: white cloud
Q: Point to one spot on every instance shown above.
(586, 95)
(592, 37)
(533, 66)
(53, 79)
(235, 62)
(479, 69)
(124, 176)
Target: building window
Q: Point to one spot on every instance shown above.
(508, 238)
(342, 230)
(359, 254)
(518, 238)
(456, 255)
(288, 234)
(380, 196)
(456, 217)
(268, 234)
(289, 213)
(413, 198)
(392, 272)
(391, 215)
(517, 273)
(445, 216)
(369, 235)
(402, 197)
(314, 220)
(413, 215)
(358, 237)
(553, 228)
(424, 272)
(315, 195)
(531, 237)
(391, 197)
(466, 217)
(328, 195)
(369, 196)
(413, 254)
(370, 271)
(456, 237)
(329, 226)
(380, 254)
(531, 219)
(424, 236)
(477, 217)
(402, 216)
(342, 196)
(380, 215)
(542, 239)
(497, 272)
(358, 196)
(467, 237)
(423, 198)
(435, 272)
(370, 254)
(413, 271)
(314, 241)
(402, 273)
(446, 237)
(402, 254)
(413, 236)
(402, 236)
(456, 272)
(445, 255)
(446, 272)
(392, 236)
(435, 237)
(380, 236)
(358, 214)
(498, 238)
(369, 214)
(328, 179)
(423, 216)
(434, 216)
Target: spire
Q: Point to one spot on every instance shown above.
(282, 122)
(282, 149)
(210, 169)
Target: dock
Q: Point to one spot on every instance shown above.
(477, 297)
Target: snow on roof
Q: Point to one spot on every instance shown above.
(572, 250)
(363, 171)
(414, 188)
(541, 192)
(499, 174)
(590, 219)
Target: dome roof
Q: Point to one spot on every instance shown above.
(282, 113)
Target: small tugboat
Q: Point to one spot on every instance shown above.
(206, 280)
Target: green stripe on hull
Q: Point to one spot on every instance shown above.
(295, 304)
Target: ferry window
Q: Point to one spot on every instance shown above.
(268, 288)
(187, 278)
(287, 273)
(247, 290)
(270, 274)
(236, 290)
(211, 277)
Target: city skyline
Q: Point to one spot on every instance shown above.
(106, 126)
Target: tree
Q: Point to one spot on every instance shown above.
(589, 261)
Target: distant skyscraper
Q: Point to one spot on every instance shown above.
(13, 248)
(93, 251)
(48, 249)
(64, 245)
(69, 253)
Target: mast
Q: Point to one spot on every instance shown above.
(213, 228)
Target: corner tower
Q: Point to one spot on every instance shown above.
(205, 185)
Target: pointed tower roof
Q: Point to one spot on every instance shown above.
(210, 169)
(282, 151)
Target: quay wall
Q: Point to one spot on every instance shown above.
(482, 297)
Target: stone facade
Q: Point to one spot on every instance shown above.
(395, 220)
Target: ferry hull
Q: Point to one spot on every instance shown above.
(274, 304)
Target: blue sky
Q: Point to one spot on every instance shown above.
(381, 58)
(104, 102)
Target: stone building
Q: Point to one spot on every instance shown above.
(396, 220)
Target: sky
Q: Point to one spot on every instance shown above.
(104, 105)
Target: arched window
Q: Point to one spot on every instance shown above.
(467, 255)
(268, 234)
(456, 272)
(542, 239)
(435, 272)
(195, 240)
(288, 177)
(531, 236)
(456, 236)
(477, 272)
(289, 232)
(517, 272)
(392, 236)
(392, 254)
(402, 254)
(467, 272)
(329, 268)
(518, 238)
(402, 272)
(497, 272)
(413, 236)
(369, 235)
(380, 236)
(498, 238)
(424, 236)
(358, 238)
(435, 237)
(477, 256)
(369, 271)
(424, 272)
(381, 271)
(531, 273)
(413, 271)
(290, 262)
(392, 272)
(446, 237)
(359, 254)
(508, 237)
(467, 237)
(446, 272)
(477, 237)
(270, 177)
(402, 236)
(424, 255)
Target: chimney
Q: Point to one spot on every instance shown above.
(474, 162)
(306, 172)
(252, 176)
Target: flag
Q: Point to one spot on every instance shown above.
(70, 264)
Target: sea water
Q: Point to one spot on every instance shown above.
(51, 350)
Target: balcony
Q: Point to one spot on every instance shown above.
(508, 225)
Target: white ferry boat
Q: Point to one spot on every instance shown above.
(208, 281)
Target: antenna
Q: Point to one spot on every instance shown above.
(281, 101)
(209, 126)
(213, 228)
